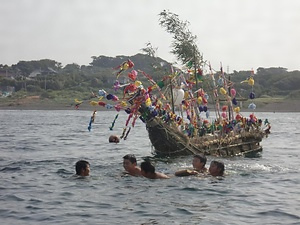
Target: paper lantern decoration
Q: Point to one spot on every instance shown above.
(252, 95)
(233, 92)
(234, 101)
(199, 100)
(207, 114)
(148, 102)
(223, 91)
(221, 81)
(237, 109)
(178, 95)
(123, 104)
(118, 107)
(109, 106)
(130, 63)
(102, 103)
(132, 75)
(160, 84)
(102, 93)
(224, 115)
(128, 110)
(224, 108)
(137, 83)
(252, 106)
(238, 117)
(109, 97)
(251, 81)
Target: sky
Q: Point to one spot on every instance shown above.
(240, 34)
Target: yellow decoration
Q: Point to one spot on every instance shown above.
(100, 98)
(93, 103)
(123, 103)
(159, 103)
(77, 101)
(223, 91)
(251, 81)
(138, 83)
(148, 102)
(125, 66)
(199, 100)
(186, 95)
(237, 109)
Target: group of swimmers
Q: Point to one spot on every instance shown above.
(147, 169)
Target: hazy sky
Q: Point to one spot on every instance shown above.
(242, 34)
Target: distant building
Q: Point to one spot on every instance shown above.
(48, 71)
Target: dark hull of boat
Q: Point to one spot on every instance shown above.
(167, 140)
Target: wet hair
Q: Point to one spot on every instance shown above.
(147, 167)
(201, 157)
(220, 165)
(81, 164)
(113, 139)
(130, 157)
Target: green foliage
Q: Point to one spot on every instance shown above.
(149, 50)
(184, 42)
(268, 82)
(26, 67)
(74, 81)
(294, 94)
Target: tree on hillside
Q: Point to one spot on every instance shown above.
(149, 50)
(27, 67)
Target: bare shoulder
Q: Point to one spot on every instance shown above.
(161, 176)
(138, 171)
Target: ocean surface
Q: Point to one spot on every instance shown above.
(40, 148)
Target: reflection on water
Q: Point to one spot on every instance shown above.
(40, 148)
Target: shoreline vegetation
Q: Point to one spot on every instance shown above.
(38, 103)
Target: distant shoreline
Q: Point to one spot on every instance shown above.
(37, 104)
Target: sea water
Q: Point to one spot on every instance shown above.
(40, 148)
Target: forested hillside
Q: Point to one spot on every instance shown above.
(49, 79)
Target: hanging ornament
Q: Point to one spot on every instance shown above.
(251, 81)
(224, 108)
(223, 91)
(252, 106)
(224, 115)
(233, 92)
(207, 114)
(132, 75)
(252, 95)
(102, 93)
(220, 81)
(234, 101)
(237, 109)
(199, 100)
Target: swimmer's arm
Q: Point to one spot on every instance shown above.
(182, 173)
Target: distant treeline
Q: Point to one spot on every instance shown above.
(46, 75)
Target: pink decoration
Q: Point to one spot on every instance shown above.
(233, 92)
(224, 115)
(132, 75)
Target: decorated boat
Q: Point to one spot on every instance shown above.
(192, 130)
(181, 121)
(193, 109)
